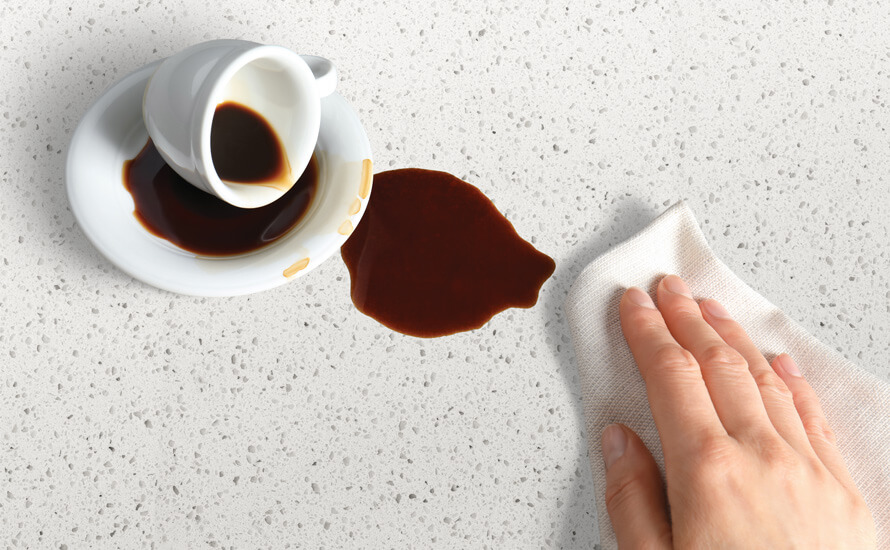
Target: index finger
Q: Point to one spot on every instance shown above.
(681, 406)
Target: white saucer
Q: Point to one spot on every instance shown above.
(112, 132)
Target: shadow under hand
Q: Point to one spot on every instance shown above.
(627, 218)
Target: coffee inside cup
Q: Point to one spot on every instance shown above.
(245, 149)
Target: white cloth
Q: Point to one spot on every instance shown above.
(856, 403)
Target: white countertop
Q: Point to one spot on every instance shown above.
(132, 417)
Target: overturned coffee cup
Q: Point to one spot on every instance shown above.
(238, 119)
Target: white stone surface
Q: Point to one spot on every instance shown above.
(131, 417)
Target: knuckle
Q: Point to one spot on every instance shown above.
(673, 358)
(702, 473)
(820, 473)
(768, 381)
(716, 445)
(817, 427)
(858, 506)
(644, 319)
(663, 539)
(848, 496)
(711, 458)
(649, 325)
(686, 314)
(624, 494)
(828, 433)
(721, 355)
(779, 456)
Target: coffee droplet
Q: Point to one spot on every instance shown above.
(355, 207)
(245, 148)
(173, 209)
(365, 186)
(296, 267)
(345, 228)
(432, 256)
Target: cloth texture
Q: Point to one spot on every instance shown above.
(856, 403)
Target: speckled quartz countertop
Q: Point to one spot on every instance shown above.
(132, 417)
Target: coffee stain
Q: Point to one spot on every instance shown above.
(345, 228)
(296, 267)
(355, 207)
(365, 188)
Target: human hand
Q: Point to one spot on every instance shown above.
(749, 458)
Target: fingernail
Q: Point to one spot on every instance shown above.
(640, 298)
(714, 309)
(788, 365)
(614, 444)
(676, 285)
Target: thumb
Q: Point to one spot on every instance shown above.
(634, 492)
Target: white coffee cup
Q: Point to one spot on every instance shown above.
(281, 86)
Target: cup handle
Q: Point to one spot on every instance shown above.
(325, 74)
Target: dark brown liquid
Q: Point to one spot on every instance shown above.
(245, 148)
(433, 256)
(173, 209)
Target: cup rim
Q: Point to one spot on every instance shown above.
(202, 119)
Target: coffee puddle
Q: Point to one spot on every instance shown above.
(432, 256)
(173, 209)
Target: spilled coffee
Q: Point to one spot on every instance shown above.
(173, 209)
(432, 256)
